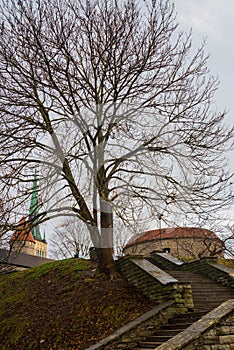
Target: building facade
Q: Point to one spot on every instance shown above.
(181, 242)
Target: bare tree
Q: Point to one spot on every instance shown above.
(113, 105)
(70, 240)
(209, 247)
(4, 227)
(227, 236)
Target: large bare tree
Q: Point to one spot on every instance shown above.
(114, 106)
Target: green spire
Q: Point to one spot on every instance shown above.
(34, 210)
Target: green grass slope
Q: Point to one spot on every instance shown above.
(63, 305)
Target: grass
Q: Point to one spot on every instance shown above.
(64, 306)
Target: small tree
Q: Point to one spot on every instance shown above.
(70, 240)
(227, 236)
(113, 105)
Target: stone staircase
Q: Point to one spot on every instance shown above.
(207, 295)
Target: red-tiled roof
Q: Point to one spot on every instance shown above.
(167, 233)
(23, 232)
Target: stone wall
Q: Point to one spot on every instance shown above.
(157, 286)
(166, 260)
(180, 247)
(220, 337)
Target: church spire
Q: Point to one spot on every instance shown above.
(34, 210)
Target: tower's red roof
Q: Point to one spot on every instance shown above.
(23, 232)
(167, 233)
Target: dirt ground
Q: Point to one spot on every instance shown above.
(61, 310)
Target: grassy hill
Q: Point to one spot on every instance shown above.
(63, 305)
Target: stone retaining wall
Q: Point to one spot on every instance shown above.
(166, 260)
(158, 287)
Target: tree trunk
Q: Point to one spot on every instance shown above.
(106, 264)
(105, 249)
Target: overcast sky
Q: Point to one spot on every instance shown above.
(214, 20)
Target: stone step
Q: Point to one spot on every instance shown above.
(209, 302)
(207, 306)
(204, 286)
(163, 333)
(176, 325)
(187, 274)
(193, 280)
(190, 276)
(206, 310)
(207, 295)
(212, 297)
(168, 331)
(189, 317)
(143, 348)
(210, 289)
(147, 347)
(217, 289)
(152, 344)
(179, 325)
(190, 314)
(198, 281)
